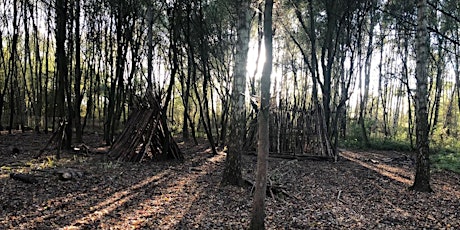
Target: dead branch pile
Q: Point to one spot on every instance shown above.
(146, 136)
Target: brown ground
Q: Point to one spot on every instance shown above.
(364, 190)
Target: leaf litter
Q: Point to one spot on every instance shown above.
(364, 190)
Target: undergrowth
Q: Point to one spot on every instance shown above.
(446, 159)
(443, 156)
(377, 144)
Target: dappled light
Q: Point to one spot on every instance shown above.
(161, 197)
(116, 200)
(362, 190)
(395, 173)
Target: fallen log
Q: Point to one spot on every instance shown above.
(302, 157)
(26, 178)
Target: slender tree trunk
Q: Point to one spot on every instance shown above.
(258, 205)
(232, 172)
(117, 84)
(397, 110)
(367, 75)
(422, 173)
(27, 65)
(405, 81)
(7, 78)
(321, 118)
(205, 102)
(13, 65)
(47, 71)
(186, 83)
(457, 76)
(342, 112)
(77, 91)
(122, 44)
(39, 73)
(150, 47)
(438, 87)
(379, 86)
(449, 113)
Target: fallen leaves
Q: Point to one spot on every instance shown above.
(366, 191)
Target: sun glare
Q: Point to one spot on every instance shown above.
(253, 64)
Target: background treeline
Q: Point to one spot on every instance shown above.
(351, 62)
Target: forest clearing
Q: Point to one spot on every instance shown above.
(363, 190)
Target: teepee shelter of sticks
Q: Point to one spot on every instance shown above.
(145, 136)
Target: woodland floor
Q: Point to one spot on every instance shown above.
(364, 190)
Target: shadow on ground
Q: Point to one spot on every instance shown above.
(364, 190)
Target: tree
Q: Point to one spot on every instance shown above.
(422, 173)
(78, 94)
(232, 172)
(13, 72)
(62, 69)
(367, 72)
(258, 205)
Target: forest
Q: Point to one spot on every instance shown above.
(229, 114)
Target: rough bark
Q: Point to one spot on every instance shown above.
(232, 172)
(422, 173)
(61, 62)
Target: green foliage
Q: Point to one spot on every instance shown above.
(377, 144)
(354, 140)
(445, 160)
(445, 138)
(445, 149)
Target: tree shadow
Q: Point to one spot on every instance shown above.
(362, 190)
(110, 195)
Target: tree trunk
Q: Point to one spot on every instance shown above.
(39, 73)
(379, 86)
(457, 76)
(78, 95)
(258, 205)
(367, 76)
(422, 173)
(7, 78)
(438, 87)
(405, 81)
(321, 117)
(232, 172)
(13, 66)
(61, 61)
(47, 69)
(123, 35)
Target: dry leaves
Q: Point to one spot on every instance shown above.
(364, 190)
